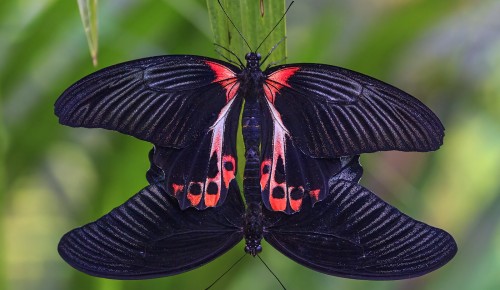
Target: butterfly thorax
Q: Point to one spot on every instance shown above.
(253, 229)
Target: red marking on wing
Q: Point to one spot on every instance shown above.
(212, 199)
(194, 198)
(225, 77)
(296, 195)
(212, 186)
(314, 194)
(295, 204)
(177, 188)
(277, 80)
(264, 176)
(279, 145)
(208, 191)
(228, 174)
(278, 204)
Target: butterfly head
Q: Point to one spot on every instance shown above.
(253, 250)
(253, 60)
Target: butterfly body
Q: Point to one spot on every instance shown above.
(252, 78)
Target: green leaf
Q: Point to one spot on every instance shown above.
(254, 27)
(88, 13)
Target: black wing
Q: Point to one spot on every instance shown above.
(175, 102)
(287, 175)
(354, 234)
(167, 100)
(150, 236)
(332, 112)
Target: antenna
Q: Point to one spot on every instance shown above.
(223, 274)
(267, 36)
(223, 10)
(232, 53)
(279, 21)
(283, 286)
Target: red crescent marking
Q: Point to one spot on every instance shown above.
(277, 80)
(226, 78)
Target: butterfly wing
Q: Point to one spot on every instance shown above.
(181, 103)
(287, 175)
(150, 236)
(332, 112)
(314, 114)
(354, 234)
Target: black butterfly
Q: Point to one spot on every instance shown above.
(302, 194)
(301, 190)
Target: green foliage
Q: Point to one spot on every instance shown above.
(54, 178)
(88, 13)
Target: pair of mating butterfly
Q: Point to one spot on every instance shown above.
(303, 125)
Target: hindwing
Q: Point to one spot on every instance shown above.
(354, 234)
(200, 175)
(287, 175)
(151, 236)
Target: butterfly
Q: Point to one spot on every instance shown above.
(304, 127)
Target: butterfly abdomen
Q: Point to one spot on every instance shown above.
(253, 228)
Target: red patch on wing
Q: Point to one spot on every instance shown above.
(296, 195)
(295, 204)
(228, 169)
(211, 199)
(278, 203)
(277, 80)
(265, 169)
(194, 193)
(177, 188)
(226, 77)
(194, 199)
(314, 194)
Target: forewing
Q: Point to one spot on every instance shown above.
(332, 112)
(354, 234)
(150, 236)
(167, 100)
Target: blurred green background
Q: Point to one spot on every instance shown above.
(55, 178)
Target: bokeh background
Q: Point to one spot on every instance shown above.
(54, 178)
